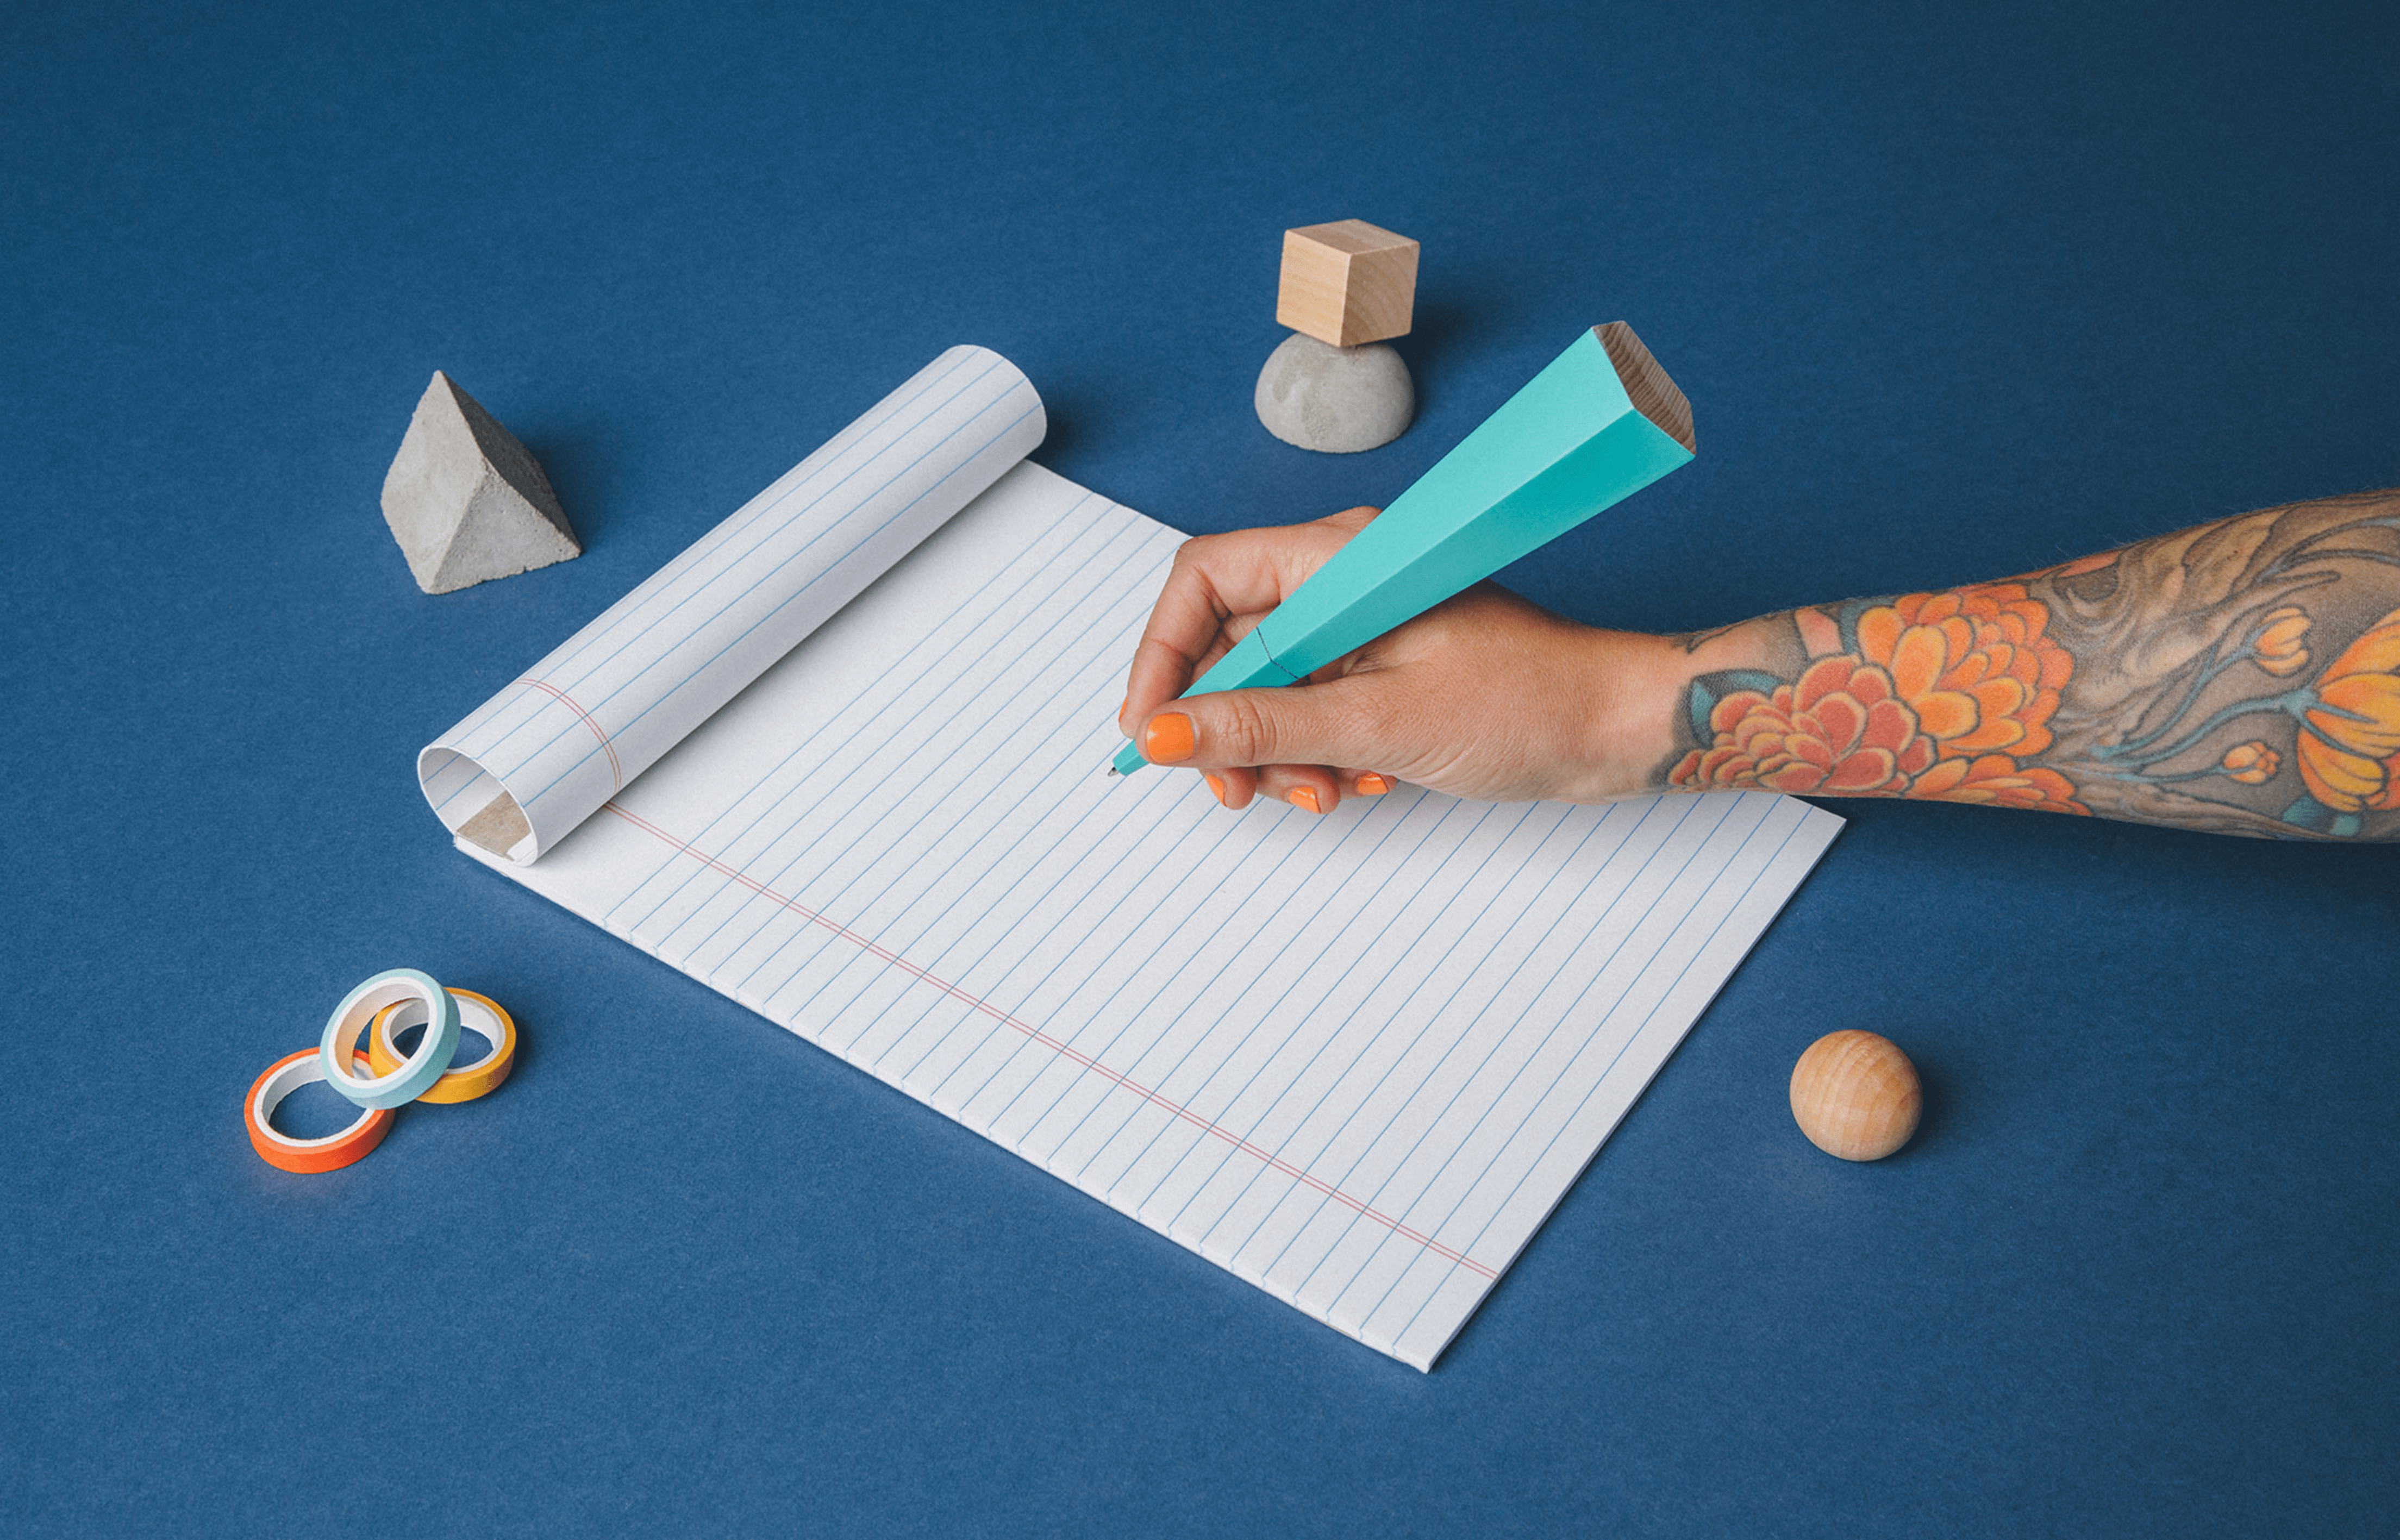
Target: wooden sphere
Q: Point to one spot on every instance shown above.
(1855, 1096)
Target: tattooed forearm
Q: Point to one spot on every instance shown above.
(2242, 677)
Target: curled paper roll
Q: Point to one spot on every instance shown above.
(534, 760)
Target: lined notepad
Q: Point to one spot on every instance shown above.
(1356, 1059)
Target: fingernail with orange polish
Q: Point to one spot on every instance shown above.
(1371, 785)
(1167, 740)
(1303, 797)
(1216, 784)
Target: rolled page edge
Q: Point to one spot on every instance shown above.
(480, 808)
(496, 823)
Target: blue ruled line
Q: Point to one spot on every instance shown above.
(628, 724)
(934, 660)
(1558, 918)
(1401, 1165)
(1568, 1121)
(1311, 1218)
(999, 704)
(706, 585)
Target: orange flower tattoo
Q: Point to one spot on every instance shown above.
(2241, 676)
(1931, 695)
(2000, 780)
(2349, 747)
(2275, 646)
(1838, 730)
(1974, 664)
(2253, 764)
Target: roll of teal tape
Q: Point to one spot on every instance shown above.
(421, 1068)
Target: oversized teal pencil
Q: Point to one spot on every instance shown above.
(1601, 422)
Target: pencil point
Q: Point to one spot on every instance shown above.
(1112, 770)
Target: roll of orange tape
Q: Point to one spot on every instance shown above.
(329, 1153)
(476, 1013)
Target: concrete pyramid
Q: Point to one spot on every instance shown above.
(465, 501)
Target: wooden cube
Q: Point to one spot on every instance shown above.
(1347, 282)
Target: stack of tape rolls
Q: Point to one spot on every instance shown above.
(381, 1077)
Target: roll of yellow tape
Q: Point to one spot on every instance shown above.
(461, 1082)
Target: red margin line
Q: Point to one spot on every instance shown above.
(1046, 1040)
(615, 769)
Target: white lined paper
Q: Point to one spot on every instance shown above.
(598, 711)
(1355, 1060)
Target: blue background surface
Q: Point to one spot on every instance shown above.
(1953, 297)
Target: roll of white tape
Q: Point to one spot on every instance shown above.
(421, 1068)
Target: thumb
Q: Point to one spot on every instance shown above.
(1325, 724)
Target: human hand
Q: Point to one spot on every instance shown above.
(1485, 696)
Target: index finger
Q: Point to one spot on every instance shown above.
(1219, 580)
